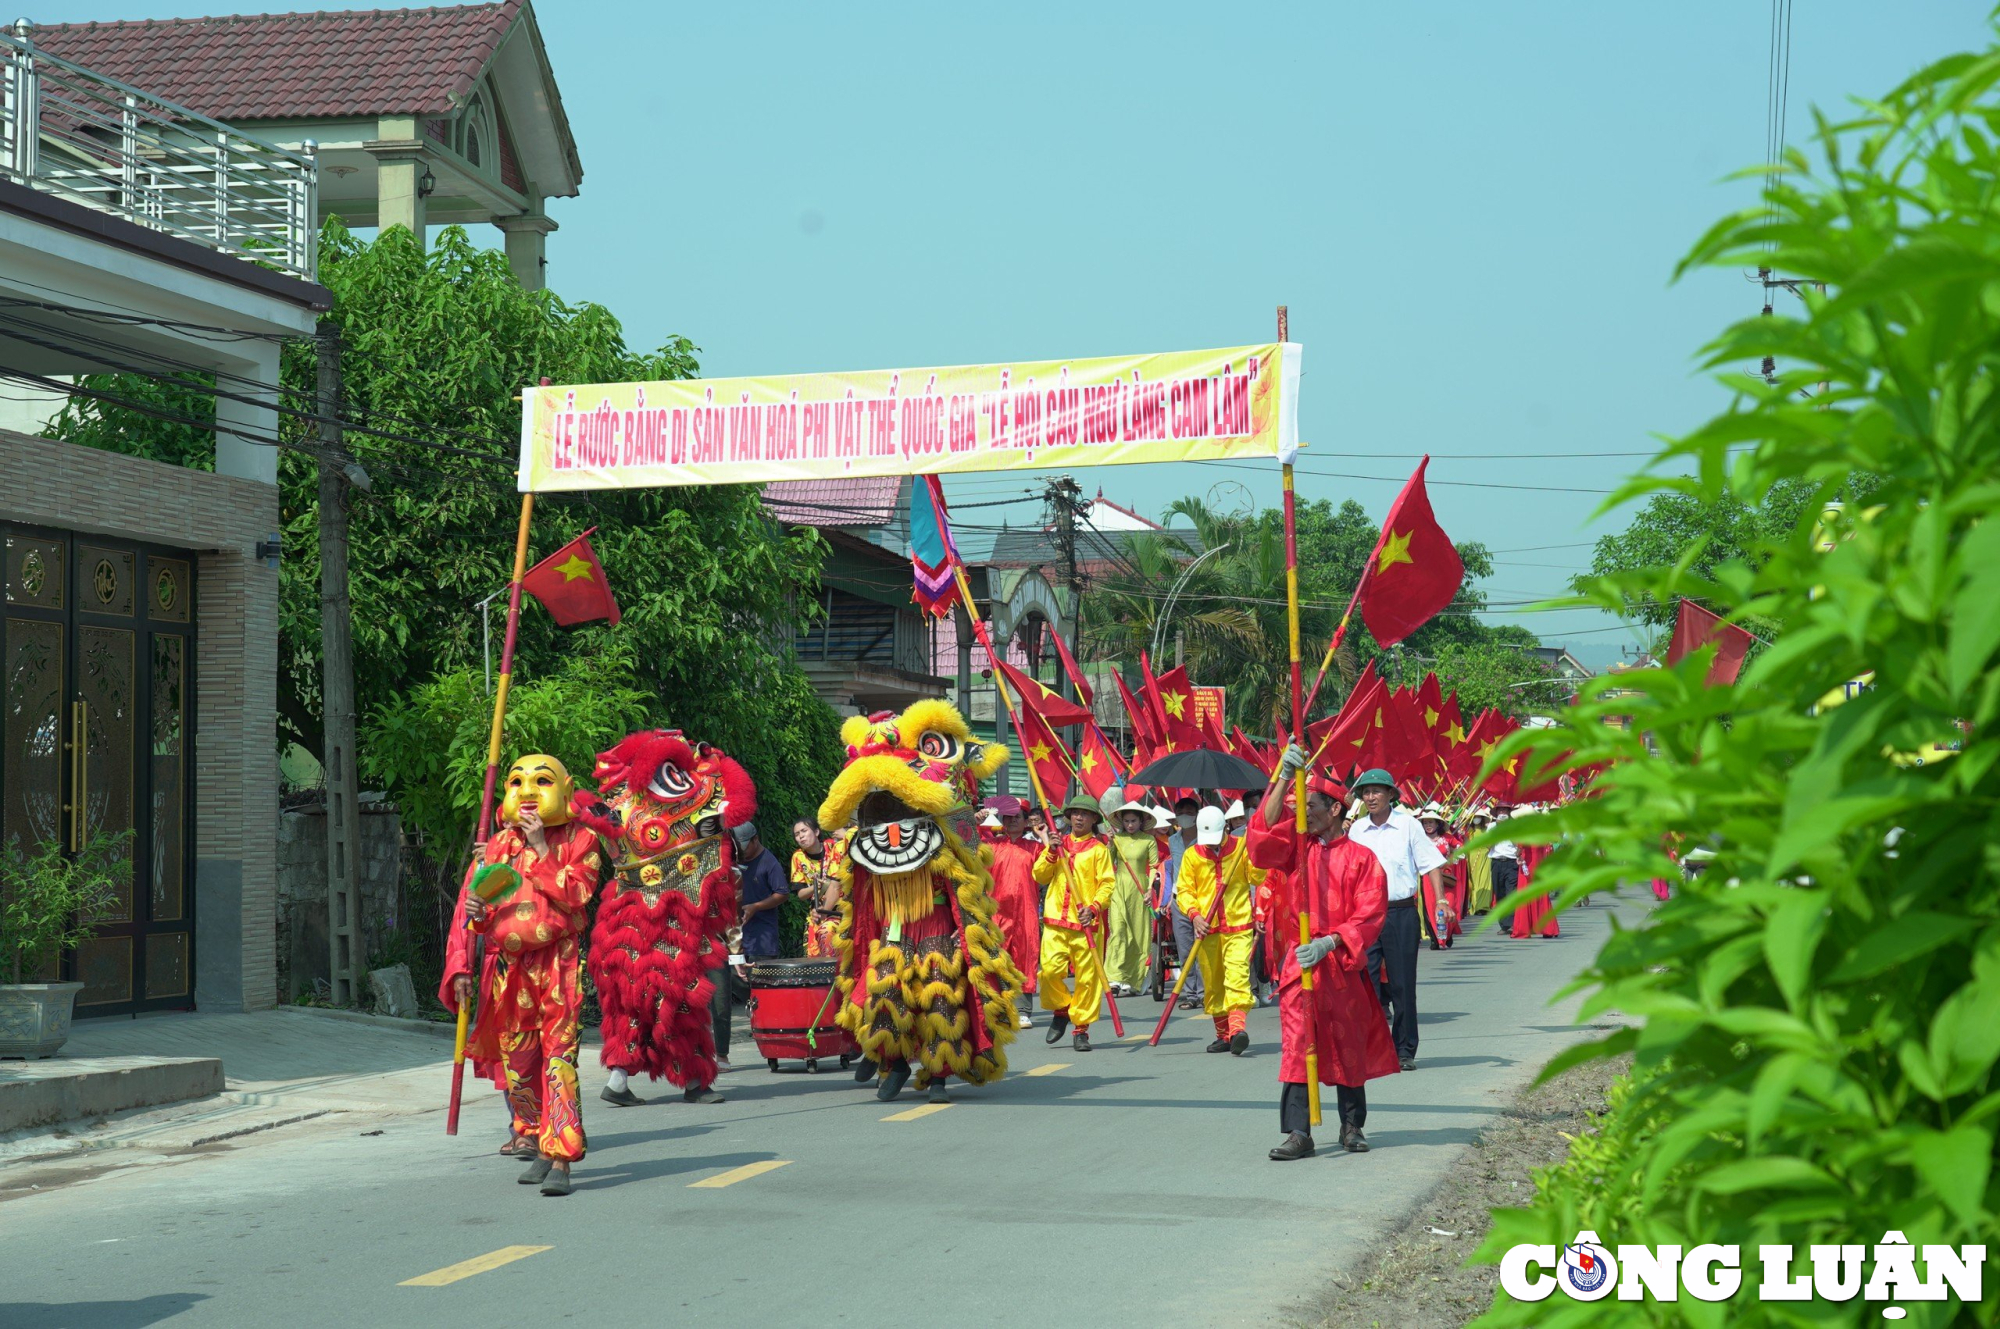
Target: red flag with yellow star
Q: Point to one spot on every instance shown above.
(571, 586)
(1414, 570)
(1098, 766)
(1046, 753)
(1175, 698)
(1042, 699)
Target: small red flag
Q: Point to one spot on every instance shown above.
(1042, 699)
(1414, 571)
(1343, 741)
(1174, 696)
(571, 586)
(1070, 667)
(1046, 753)
(1097, 765)
(1694, 628)
(1145, 735)
(1430, 701)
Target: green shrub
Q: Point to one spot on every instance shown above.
(1820, 1010)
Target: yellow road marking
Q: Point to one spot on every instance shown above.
(480, 1264)
(1050, 1069)
(736, 1174)
(916, 1112)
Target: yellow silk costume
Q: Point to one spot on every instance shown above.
(1078, 875)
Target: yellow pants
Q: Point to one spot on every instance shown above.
(1063, 950)
(1224, 961)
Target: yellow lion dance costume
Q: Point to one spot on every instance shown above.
(925, 980)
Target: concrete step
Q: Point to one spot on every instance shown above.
(42, 1093)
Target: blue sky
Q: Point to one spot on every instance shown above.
(1473, 211)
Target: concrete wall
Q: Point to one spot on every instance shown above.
(302, 917)
(219, 519)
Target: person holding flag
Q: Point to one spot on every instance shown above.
(1214, 891)
(1343, 893)
(1016, 899)
(1077, 870)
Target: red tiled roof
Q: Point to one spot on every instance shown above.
(865, 500)
(296, 66)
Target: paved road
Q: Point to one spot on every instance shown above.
(1085, 1188)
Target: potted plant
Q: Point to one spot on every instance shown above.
(49, 903)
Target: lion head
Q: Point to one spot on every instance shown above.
(910, 780)
(664, 804)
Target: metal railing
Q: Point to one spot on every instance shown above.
(68, 131)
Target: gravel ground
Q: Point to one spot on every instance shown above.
(1415, 1278)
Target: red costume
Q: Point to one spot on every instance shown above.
(660, 924)
(1347, 898)
(1534, 916)
(1441, 916)
(524, 1036)
(1017, 903)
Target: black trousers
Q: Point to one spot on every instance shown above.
(1295, 1109)
(1506, 876)
(1396, 950)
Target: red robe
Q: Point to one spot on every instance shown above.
(1017, 903)
(1533, 916)
(1348, 898)
(535, 932)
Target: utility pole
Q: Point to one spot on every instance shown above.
(346, 951)
(1064, 497)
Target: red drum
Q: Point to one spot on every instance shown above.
(792, 1005)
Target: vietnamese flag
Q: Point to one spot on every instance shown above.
(1694, 628)
(1175, 696)
(1075, 672)
(1098, 766)
(1042, 699)
(1046, 755)
(1430, 701)
(1406, 739)
(571, 586)
(1455, 753)
(1145, 737)
(1414, 571)
(1345, 740)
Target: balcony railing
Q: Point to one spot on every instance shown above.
(67, 131)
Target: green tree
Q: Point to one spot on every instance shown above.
(437, 344)
(1817, 1034)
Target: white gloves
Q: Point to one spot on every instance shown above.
(1310, 953)
(1293, 760)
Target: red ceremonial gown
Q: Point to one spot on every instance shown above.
(1347, 896)
(1451, 877)
(1534, 916)
(1017, 903)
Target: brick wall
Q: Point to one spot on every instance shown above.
(219, 519)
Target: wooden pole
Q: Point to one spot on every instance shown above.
(1299, 785)
(347, 956)
(492, 778)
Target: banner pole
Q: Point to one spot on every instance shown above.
(486, 799)
(1299, 782)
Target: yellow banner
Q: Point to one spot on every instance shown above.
(1176, 406)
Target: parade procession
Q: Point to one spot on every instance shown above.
(1055, 664)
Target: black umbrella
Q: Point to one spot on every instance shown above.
(1201, 768)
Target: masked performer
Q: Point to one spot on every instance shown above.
(658, 942)
(925, 981)
(525, 900)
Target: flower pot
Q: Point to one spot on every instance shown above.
(34, 1018)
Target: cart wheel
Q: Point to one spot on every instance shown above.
(846, 1060)
(812, 1065)
(772, 1062)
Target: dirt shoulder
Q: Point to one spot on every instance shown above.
(1414, 1279)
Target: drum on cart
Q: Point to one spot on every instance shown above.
(792, 1005)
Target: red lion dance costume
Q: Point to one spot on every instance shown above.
(666, 806)
(924, 975)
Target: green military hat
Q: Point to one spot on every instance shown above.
(1376, 776)
(1083, 801)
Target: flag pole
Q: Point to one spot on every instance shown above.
(1299, 781)
(1021, 737)
(486, 798)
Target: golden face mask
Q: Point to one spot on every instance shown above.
(539, 781)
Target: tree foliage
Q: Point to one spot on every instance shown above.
(436, 346)
(1818, 1014)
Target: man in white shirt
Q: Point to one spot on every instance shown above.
(1407, 857)
(1506, 863)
